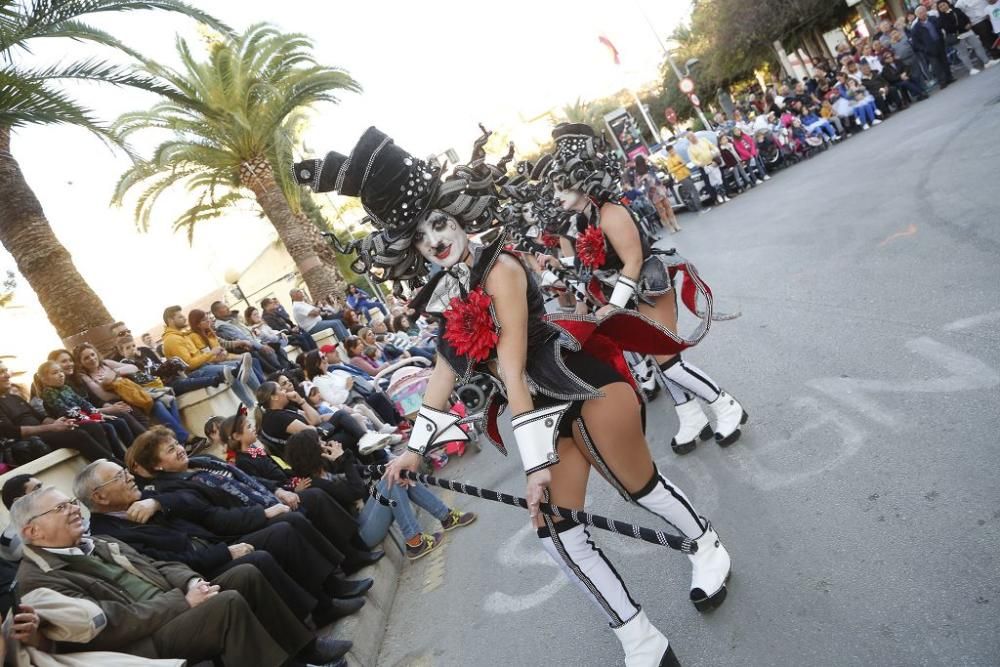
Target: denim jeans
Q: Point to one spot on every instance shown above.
(338, 328)
(375, 518)
(243, 391)
(171, 418)
(209, 375)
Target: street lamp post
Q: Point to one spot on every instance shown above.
(233, 278)
(673, 65)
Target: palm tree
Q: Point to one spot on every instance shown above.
(30, 96)
(233, 132)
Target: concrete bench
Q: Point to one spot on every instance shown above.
(325, 337)
(197, 406)
(57, 468)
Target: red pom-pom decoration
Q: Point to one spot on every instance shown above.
(550, 240)
(590, 247)
(469, 326)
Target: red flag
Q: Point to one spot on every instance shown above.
(611, 49)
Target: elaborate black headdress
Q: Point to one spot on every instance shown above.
(397, 191)
(581, 162)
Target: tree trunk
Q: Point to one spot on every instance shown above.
(71, 305)
(312, 254)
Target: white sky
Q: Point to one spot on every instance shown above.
(430, 72)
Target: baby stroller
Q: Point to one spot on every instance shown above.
(406, 390)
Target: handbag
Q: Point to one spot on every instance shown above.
(18, 452)
(132, 394)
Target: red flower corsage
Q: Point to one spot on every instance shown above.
(590, 247)
(469, 326)
(550, 240)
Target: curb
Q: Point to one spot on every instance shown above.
(367, 627)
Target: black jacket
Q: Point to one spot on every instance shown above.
(954, 22)
(267, 472)
(920, 38)
(168, 539)
(213, 509)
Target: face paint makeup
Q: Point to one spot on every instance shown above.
(440, 240)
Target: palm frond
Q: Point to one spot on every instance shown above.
(242, 102)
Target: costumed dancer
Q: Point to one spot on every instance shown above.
(628, 273)
(573, 405)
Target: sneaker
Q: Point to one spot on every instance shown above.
(866, 126)
(372, 442)
(428, 543)
(991, 63)
(456, 519)
(973, 72)
(766, 177)
(395, 439)
(227, 374)
(246, 366)
(876, 122)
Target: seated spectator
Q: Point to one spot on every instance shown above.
(363, 385)
(336, 389)
(283, 412)
(106, 378)
(263, 331)
(204, 337)
(898, 77)
(15, 487)
(355, 347)
(879, 89)
(746, 148)
(153, 608)
(19, 421)
(228, 327)
(179, 341)
(309, 318)
(863, 105)
(276, 317)
(359, 301)
(382, 337)
(47, 623)
(153, 527)
(170, 371)
(817, 126)
(164, 465)
(316, 461)
(120, 427)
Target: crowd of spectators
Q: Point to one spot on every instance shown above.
(237, 546)
(871, 78)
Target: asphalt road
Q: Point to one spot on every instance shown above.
(862, 505)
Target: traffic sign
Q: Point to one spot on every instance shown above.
(694, 100)
(686, 85)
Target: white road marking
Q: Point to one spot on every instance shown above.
(967, 373)
(514, 554)
(970, 322)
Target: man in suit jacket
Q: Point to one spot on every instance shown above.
(927, 38)
(299, 573)
(154, 608)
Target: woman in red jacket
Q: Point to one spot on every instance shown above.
(746, 148)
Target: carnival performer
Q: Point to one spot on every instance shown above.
(571, 398)
(630, 274)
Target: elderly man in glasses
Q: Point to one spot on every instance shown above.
(152, 608)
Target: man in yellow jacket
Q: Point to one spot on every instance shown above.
(682, 176)
(178, 342)
(702, 153)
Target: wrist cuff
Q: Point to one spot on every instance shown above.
(536, 433)
(433, 428)
(624, 289)
(549, 278)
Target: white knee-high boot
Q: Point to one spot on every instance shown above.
(726, 411)
(710, 565)
(571, 547)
